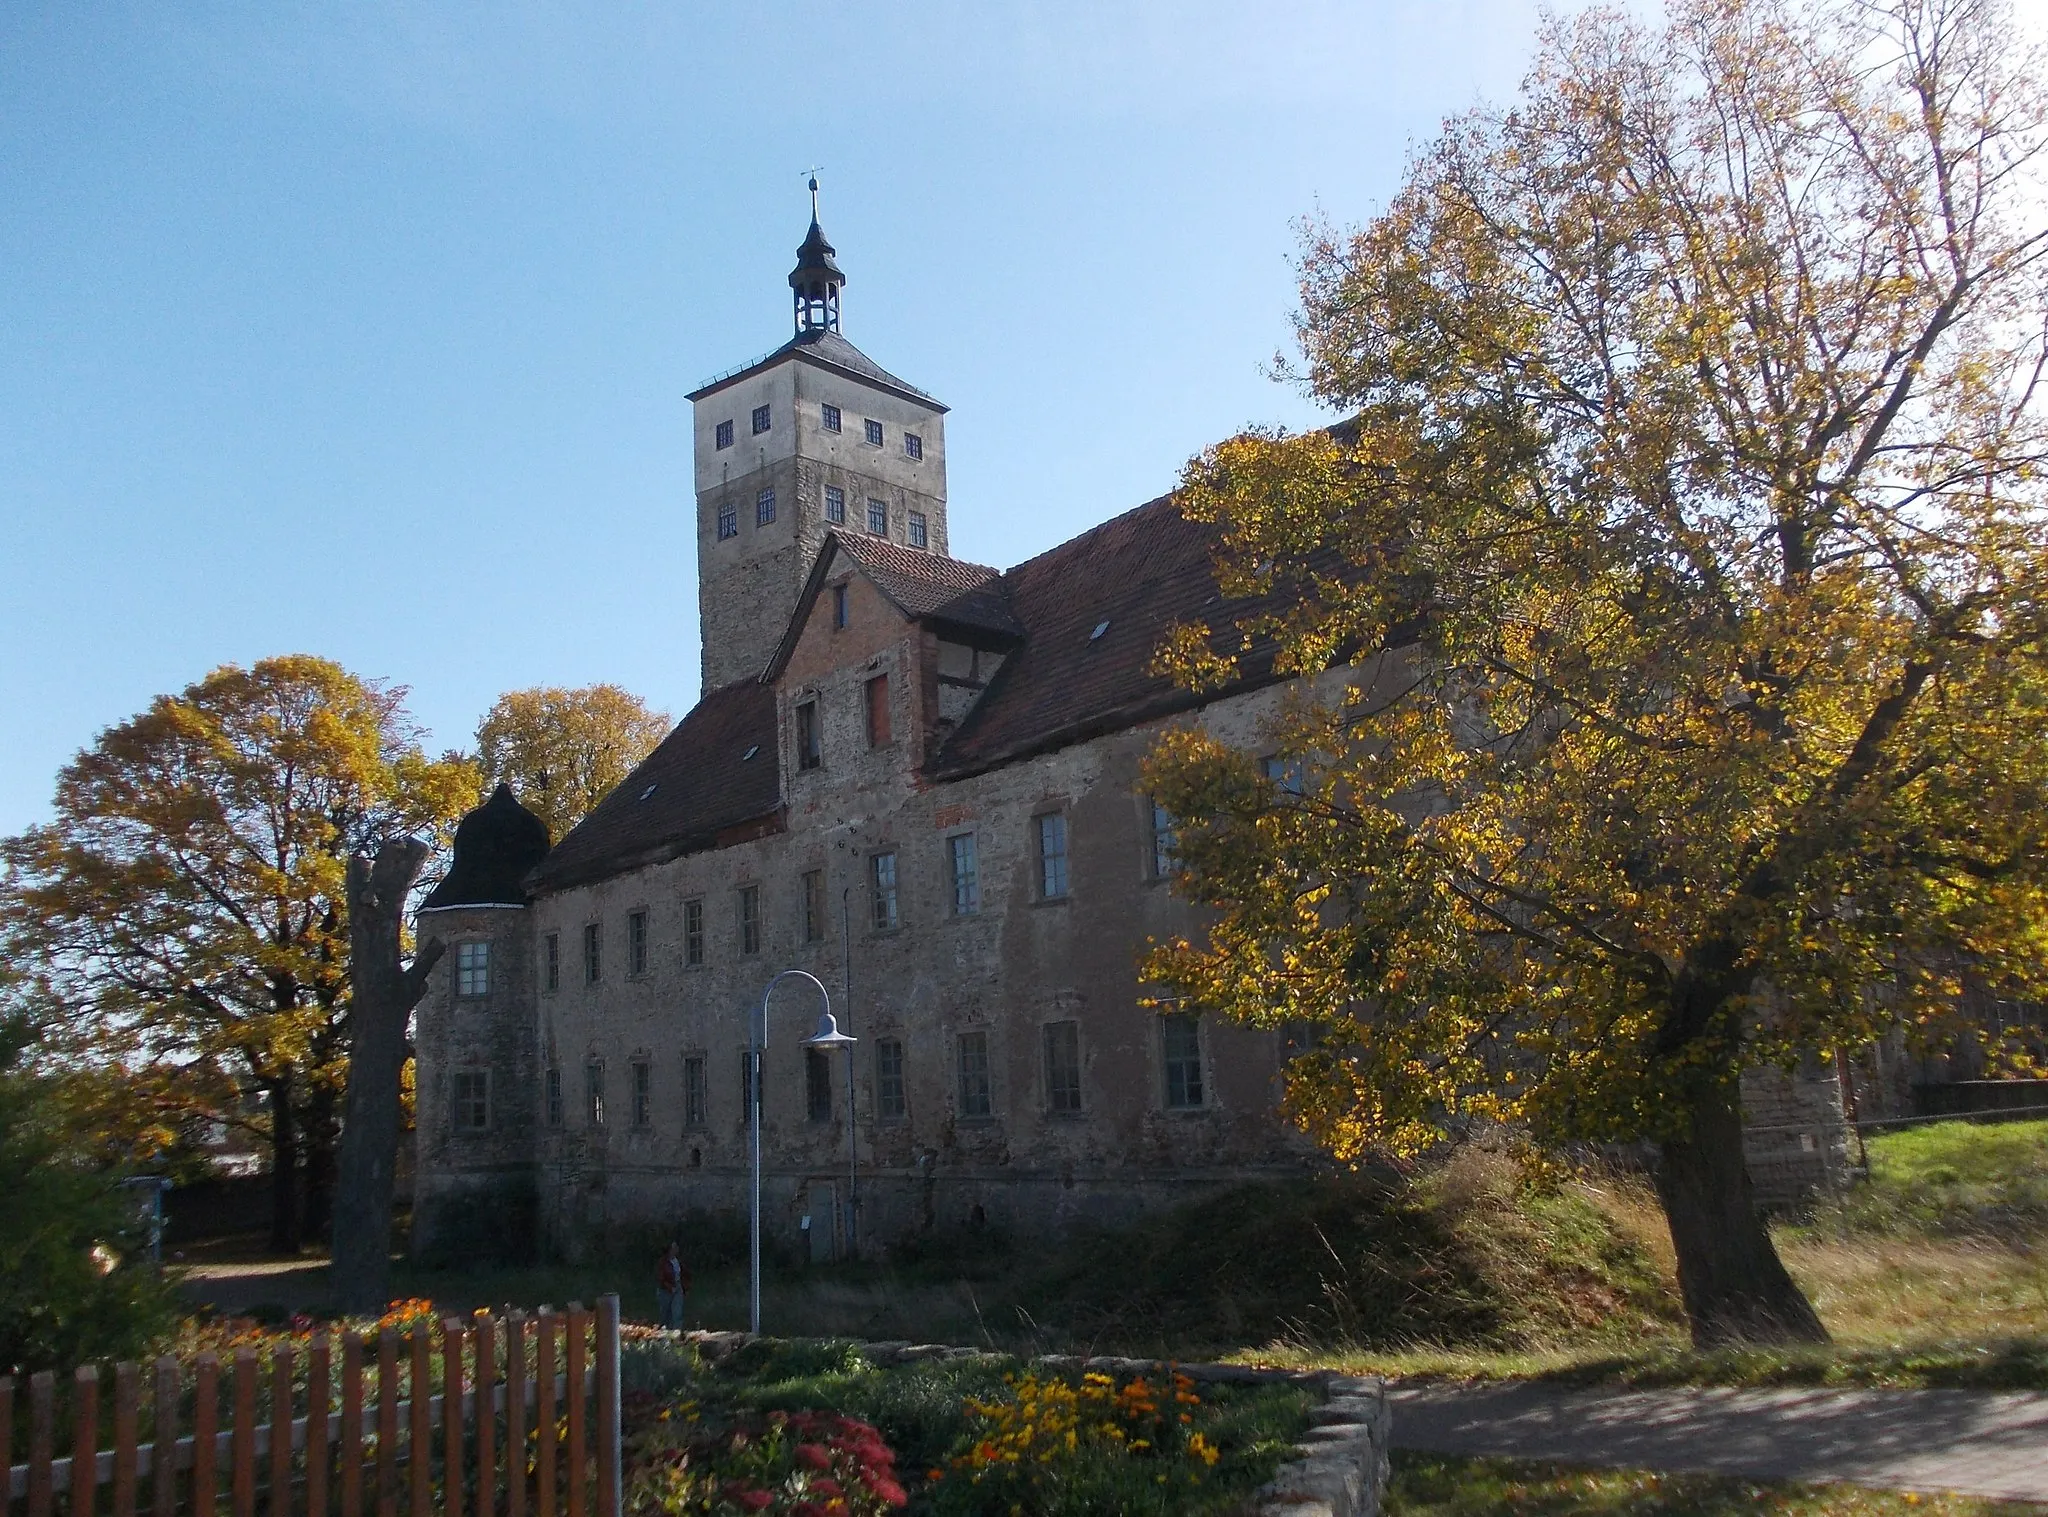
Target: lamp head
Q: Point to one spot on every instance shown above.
(828, 1034)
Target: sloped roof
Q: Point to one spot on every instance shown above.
(495, 845)
(829, 350)
(926, 586)
(1134, 576)
(698, 785)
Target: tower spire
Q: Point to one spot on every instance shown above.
(814, 282)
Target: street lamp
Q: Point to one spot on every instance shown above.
(828, 1035)
(757, 1040)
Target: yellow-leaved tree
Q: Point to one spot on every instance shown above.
(185, 908)
(562, 751)
(1689, 550)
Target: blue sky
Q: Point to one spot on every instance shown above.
(364, 329)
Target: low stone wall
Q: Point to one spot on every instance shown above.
(1341, 1468)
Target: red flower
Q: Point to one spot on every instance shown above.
(824, 1485)
(814, 1455)
(889, 1491)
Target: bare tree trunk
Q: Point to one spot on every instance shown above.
(385, 992)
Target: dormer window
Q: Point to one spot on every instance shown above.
(761, 418)
(722, 435)
(913, 445)
(828, 418)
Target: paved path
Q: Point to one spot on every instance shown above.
(1979, 1443)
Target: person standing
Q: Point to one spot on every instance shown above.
(671, 1283)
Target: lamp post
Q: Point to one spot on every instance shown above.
(757, 1040)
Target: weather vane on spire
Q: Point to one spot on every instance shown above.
(813, 172)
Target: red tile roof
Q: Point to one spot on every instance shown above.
(925, 586)
(715, 774)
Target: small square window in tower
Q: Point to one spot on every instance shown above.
(1063, 1066)
(1052, 857)
(966, 872)
(913, 445)
(874, 434)
(882, 888)
(636, 943)
(1180, 1039)
(817, 1085)
(470, 1099)
(473, 969)
(764, 508)
(728, 521)
(750, 919)
(835, 505)
(876, 694)
(977, 1098)
(878, 518)
(761, 418)
(890, 1102)
(810, 752)
(828, 417)
(593, 953)
(693, 1090)
(919, 534)
(722, 435)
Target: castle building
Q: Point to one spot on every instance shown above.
(917, 779)
(914, 777)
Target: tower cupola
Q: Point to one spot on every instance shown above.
(816, 279)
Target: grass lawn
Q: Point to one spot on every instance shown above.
(1437, 1485)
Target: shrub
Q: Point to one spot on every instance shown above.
(806, 1464)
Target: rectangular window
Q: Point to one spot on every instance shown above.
(835, 505)
(551, 961)
(1162, 842)
(636, 943)
(728, 521)
(724, 434)
(760, 420)
(840, 617)
(810, 751)
(966, 874)
(919, 537)
(814, 905)
(1052, 856)
(876, 695)
(693, 1090)
(874, 434)
(976, 1099)
(593, 1093)
(1063, 1066)
(913, 445)
(1180, 1039)
(750, 919)
(828, 418)
(746, 1085)
(643, 1092)
(693, 933)
(593, 953)
(472, 969)
(470, 1098)
(554, 1096)
(882, 884)
(817, 1085)
(764, 508)
(891, 1104)
(1287, 774)
(878, 517)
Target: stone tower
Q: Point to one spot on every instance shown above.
(815, 437)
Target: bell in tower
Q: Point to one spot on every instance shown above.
(816, 279)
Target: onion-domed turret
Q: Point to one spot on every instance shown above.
(816, 278)
(495, 846)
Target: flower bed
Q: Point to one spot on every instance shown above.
(817, 1428)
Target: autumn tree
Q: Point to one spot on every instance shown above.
(1685, 552)
(186, 906)
(563, 751)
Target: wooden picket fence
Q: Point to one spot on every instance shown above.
(512, 1416)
